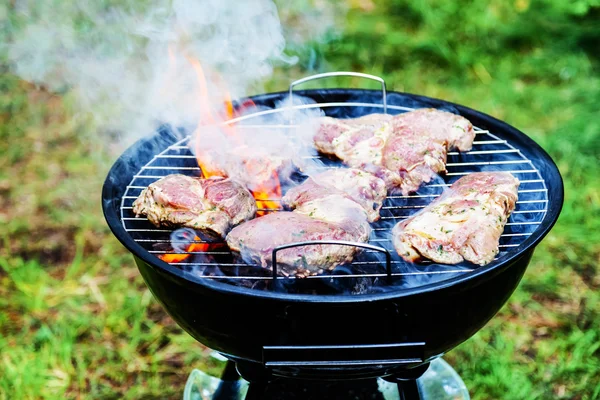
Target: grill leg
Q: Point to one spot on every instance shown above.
(229, 388)
(409, 390)
(256, 390)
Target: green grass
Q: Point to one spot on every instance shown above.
(76, 320)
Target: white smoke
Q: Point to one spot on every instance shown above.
(128, 62)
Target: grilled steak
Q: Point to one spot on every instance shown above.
(210, 206)
(405, 151)
(464, 223)
(363, 188)
(256, 239)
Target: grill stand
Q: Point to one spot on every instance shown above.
(439, 382)
(408, 386)
(406, 381)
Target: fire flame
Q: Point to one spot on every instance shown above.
(267, 195)
(266, 192)
(191, 248)
(206, 118)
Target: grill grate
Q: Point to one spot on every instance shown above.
(490, 152)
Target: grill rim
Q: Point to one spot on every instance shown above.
(549, 171)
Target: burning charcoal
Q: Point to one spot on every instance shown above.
(186, 243)
(181, 239)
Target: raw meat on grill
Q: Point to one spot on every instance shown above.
(464, 223)
(210, 206)
(332, 128)
(362, 187)
(443, 126)
(256, 239)
(337, 209)
(406, 150)
(358, 142)
(334, 205)
(412, 159)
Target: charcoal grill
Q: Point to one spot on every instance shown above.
(378, 316)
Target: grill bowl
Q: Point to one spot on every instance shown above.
(420, 323)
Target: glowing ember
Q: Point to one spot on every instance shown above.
(194, 247)
(267, 195)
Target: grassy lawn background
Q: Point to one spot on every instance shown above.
(76, 320)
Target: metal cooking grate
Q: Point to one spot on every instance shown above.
(490, 152)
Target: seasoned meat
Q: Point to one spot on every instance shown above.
(231, 197)
(327, 138)
(362, 187)
(417, 148)
(464, 223)
(414, 158)
(211, 206)
(405, 151)
(337, 209)
(456, 131)
(256, 239)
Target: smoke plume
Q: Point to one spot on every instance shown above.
(128, 62)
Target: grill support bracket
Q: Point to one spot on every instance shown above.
(344, 355)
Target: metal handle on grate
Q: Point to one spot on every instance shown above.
(388, 256)
(343, 73)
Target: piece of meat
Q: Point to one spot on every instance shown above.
(414, 158)
(338, 209)
(464, 223)
(455, 130)
(211, 206)
(361, 187)
(417, 148)
(331, 129)
(231, 197)
(359, 143)
(405, 151)
(256, 239)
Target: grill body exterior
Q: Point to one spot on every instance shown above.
(240, 326)
(401, 329)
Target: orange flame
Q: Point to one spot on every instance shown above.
(228, 105)
(264, 192)
(206, 116)
(267, 194)
(191, 248)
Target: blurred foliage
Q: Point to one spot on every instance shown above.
(77, 322)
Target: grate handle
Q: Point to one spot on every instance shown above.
(388, 255)
(343, 73)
